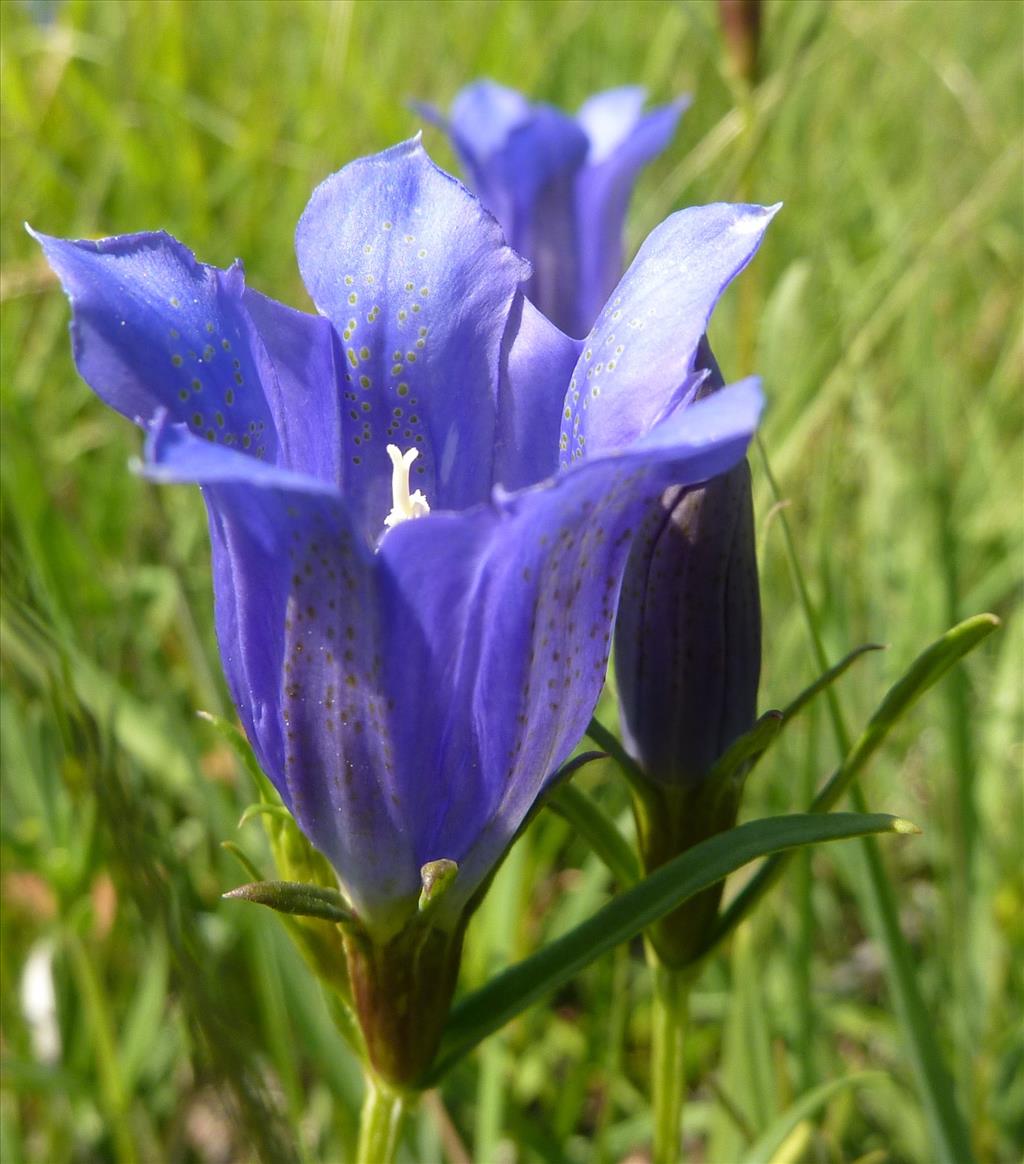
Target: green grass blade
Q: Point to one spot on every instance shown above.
(926, 670)
(597, 829)
(771, 1139)
(951, 1140)
(950, 1136)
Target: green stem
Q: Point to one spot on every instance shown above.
(380, 1124)
(670, 1002)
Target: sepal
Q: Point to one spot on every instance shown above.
(402, 989)
(670, 820)
(742, 754)
(436, 877)
(293, 897)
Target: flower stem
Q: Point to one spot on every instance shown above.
(668, 1074)
(380, 1124)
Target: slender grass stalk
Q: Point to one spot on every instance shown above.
(950, 1138)
(111, 1083)
(949, 1134)
(804, 953)
(380, 1125)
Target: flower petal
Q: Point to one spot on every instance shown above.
(410, 704)
(483, 115)
(300, 618)
(305, 396)
(622, 142)
(609, 118)
(415, 276)
(512, 642)
(539, 169)
(153, 329)
(539, 362)
(643, 347)
(522, 161)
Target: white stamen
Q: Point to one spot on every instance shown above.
(404, 505)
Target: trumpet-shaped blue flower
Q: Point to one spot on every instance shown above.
(559, 186)
(414, 643)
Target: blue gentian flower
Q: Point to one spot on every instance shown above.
(421, 499)
(559, 186)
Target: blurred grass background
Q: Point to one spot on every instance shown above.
(890, 339)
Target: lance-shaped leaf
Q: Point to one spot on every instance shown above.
(631, 912)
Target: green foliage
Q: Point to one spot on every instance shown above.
(889, 333)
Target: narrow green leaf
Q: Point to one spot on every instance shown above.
(608, 742)
(239, 745)
(749, 748)
(826, 679)
(764, 1148)
(324, 958)
(597, 829)
(293, 897)
(925, 671)
(264, 809)
(242, 859)
(631, 912)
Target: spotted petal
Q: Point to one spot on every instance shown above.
(153, 329)
(300, 621)
(639, 355)
(416, 277)
(411, 704)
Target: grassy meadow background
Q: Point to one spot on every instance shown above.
(886, 309)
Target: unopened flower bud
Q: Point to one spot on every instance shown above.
(687, 664)
(688, 636)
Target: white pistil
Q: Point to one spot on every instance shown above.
(404, 505)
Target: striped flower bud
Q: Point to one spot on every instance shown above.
(687, 664)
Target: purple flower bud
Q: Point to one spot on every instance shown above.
(687, 664)
(688, 637)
